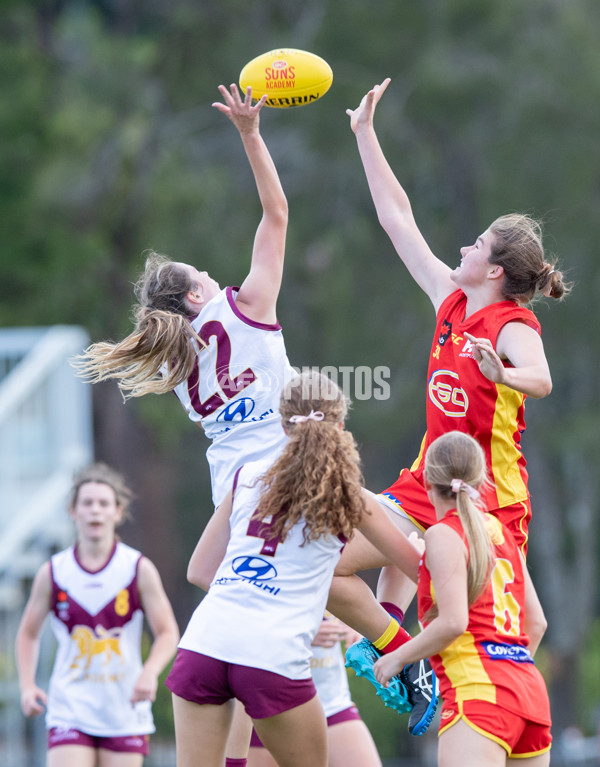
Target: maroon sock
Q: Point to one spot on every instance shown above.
(394, 611)
(235, 762)
(402, 636)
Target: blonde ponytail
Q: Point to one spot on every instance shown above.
(455, 467)
(162, 350)
(480, 562)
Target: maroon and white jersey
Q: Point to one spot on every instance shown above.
(328, 669)
(234, 391)
(97, 620)
(267, 599)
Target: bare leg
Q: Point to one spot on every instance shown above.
(352, 601)
(201, 732)
(351, 745)
(461, 746)
(71, 756)
(108, 758)
(260, 757)
(394, 586)
(297, 737)
(240, 733)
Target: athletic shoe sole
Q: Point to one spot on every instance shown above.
(360, 657)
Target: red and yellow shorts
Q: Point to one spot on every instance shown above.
(408, 497)
(519, 736)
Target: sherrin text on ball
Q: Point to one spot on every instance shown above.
(289, 77)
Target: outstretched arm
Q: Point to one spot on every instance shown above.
(258, 294)
(211, 547)
(446, 557)
(393, 206)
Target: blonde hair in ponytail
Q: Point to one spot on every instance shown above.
(457, 455)
(318, 477)
(161, 352)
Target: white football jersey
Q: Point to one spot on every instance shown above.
(267, 599)
(235, 390)
(329, 674)
(97, 620)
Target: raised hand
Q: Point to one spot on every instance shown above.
(242, 113)
(363, 114)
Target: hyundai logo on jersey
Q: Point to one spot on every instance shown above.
(253, 568)
(238, 410)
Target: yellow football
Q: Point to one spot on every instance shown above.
(289, 77)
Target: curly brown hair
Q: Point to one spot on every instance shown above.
(318, 478)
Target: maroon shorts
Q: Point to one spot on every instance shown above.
(205, 680)
(126, 744)
(520, 737)
(347, 715)
(409, 498)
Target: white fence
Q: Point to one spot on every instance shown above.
(45, 437)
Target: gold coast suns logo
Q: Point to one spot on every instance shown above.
(95, 642)
(446, 393)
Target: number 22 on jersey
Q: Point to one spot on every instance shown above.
(229, 386)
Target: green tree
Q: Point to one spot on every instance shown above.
(110, 146)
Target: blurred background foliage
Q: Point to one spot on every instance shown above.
(109, 146)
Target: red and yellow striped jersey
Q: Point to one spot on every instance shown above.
(490, 660)
(460, 397)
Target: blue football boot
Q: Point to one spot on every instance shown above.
(361, 657)
(421, 684)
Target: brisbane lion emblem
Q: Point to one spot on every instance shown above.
(90, 642)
